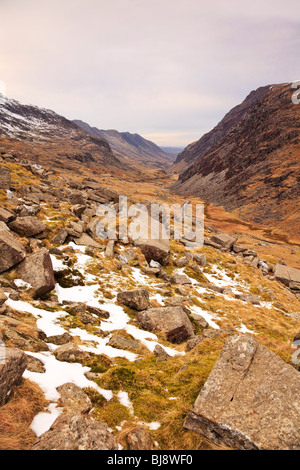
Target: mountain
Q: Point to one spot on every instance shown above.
(45, 134)
(173, 150)
(197, 149)
(131, 148)
(253, 166)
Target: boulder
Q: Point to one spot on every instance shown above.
(250, 399)
(5, 178)
(60, 237)
(74, 399)
(223, 240)
(173, 321)
(11, 251)
(35, 365)
(59, 340)
(6, 216)
(75, 431)
(86, 240)
(110, 249)
(27, 226)
(181, 262)
(136, 299)
(139, 439)
(70, 353)
(157, 250)
(119, 342)
(22, 335)
(37, 270)
(200, 259)
(12, 366)
(180, 279)
(288, 276)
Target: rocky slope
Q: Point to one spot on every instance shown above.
(131, 148)
(45, 134)
(122, 335)
(250, 165)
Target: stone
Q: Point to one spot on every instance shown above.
(60, 237)
(11, 251)
(251, 298)
(136, 299)
(27, 226)
(74, 399)
(173, 321)
(76, 197)
(159, 351)
(193, 342)
(87, 318)
(6, 216)
(225, 241)
(200, 320)
(180, 279)
(3, 298)
(22, 335)
(119, 342)
(181, 262)
(110, 249)
(70, 353)
(200, 259)
(75, 431)
(139, 439)
(13, 363)
(157, 250)
(59, 340)
(35, 365)
(86, 240)
(250, 399)
(5, 178)
(37, 270)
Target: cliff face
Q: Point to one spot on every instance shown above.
(255, 165)
(197, 149)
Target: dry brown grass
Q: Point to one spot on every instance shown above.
(17, 414)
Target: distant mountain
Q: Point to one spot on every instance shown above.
(45, 134)
(174, 151)
(254, 164)
(131, 148)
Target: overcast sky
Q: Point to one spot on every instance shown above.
(166, 69)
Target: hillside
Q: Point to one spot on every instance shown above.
(43, 134)
(253, 168)
(131, 148)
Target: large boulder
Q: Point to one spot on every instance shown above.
(11, 251)
(12, 366)
(75, 431)
(157, 250)
(250, 399)
(173, 321)
(37, 270)
(136, 299)
(27, 226)
(224, 241)
(73, 398)
(288, 276)
(6, 216)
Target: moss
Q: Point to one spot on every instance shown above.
(69, 278)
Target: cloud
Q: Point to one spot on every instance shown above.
(165, 66)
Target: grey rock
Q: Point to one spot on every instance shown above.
(12, 366)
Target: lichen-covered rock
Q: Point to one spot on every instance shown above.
(173, 321)
(37, 270)
(137, 299)
(73, 398)
(75, 431)
(250, 399)
(27, 226)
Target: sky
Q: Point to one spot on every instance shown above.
(166, 69)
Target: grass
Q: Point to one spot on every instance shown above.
(17, 414)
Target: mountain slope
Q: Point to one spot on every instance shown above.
(197, 149)
(132, 148)
(255, 166)
(47, 134)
